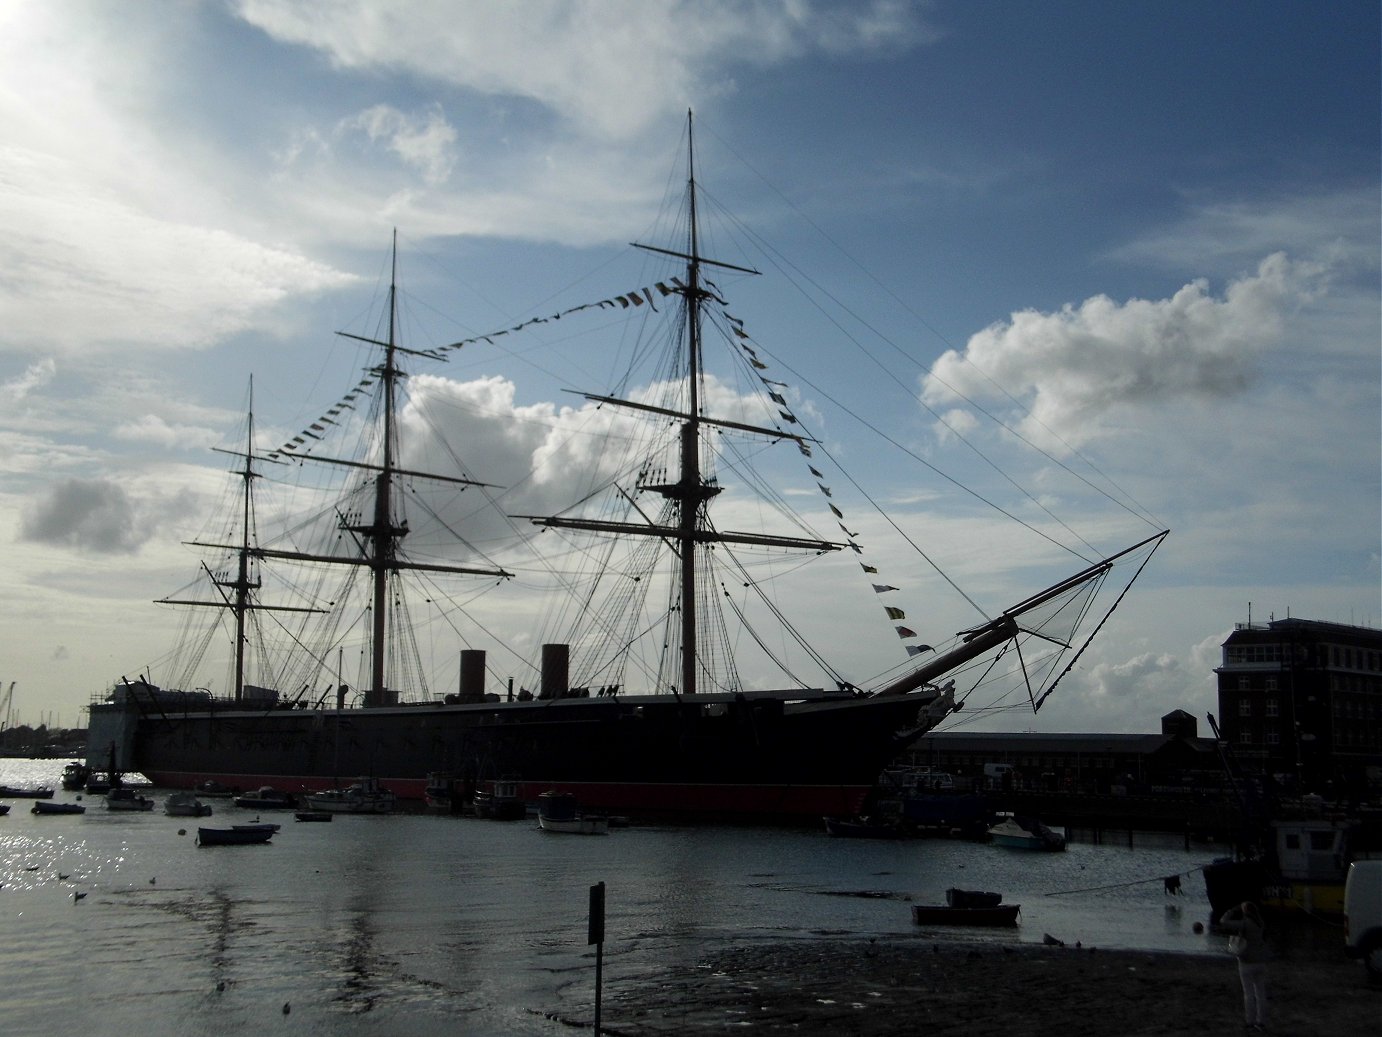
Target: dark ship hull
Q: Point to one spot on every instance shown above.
(756, 756)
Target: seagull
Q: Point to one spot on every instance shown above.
(153, 880)
(287, 1007)
(62, 877)
(77, 896)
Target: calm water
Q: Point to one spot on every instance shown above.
(425, 925)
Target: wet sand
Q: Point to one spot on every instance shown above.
(914, 987)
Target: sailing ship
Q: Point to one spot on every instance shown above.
(698, 740)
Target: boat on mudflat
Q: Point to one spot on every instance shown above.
(675, 681)
(1000, 915)
(240, 835)
(968, 907)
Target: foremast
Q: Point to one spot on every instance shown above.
(379, 539)
(237, 594)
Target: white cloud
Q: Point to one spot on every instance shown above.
(35, 376)
(426, 141)
(151, 428)
(616, 66)
(1084, 365)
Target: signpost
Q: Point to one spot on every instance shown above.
(596, 935)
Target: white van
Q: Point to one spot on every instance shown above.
(1363, 915)
(994, 773)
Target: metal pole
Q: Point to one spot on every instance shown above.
(596, 935)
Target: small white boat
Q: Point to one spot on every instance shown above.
(366, 796)
(1025, 834)
(558, 812)
(127, 799)
(185, 804)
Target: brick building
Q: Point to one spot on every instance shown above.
(1302, 700)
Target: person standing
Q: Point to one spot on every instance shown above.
(1248, 943)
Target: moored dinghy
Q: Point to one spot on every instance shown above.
(43, 806)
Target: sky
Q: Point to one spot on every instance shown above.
(1143, 236)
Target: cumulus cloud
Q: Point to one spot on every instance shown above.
(1074, 368)
(89, 514)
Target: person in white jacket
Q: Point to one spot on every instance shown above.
(1248, 943)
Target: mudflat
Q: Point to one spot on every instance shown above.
(918, 988)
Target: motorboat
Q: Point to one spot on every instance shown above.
(443, 793)
(559, 812)
(127, 799)
(185, 804)
(1025, 834)
(267, 798)
(314, 815)
(501, 802)
(366, 796)
(74, 776)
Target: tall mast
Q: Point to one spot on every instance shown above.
(690, 491)
(242, 580)
(693, 493)
(383, 534)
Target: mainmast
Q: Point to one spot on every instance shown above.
(383, 534)
(690, 491)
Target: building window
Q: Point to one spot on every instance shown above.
(1273, 738)
(1270, 684)
(1245, 738)
(1245, 707)
(1244, 683)
(1271, 708)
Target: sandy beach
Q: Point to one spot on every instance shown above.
(904, 986)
